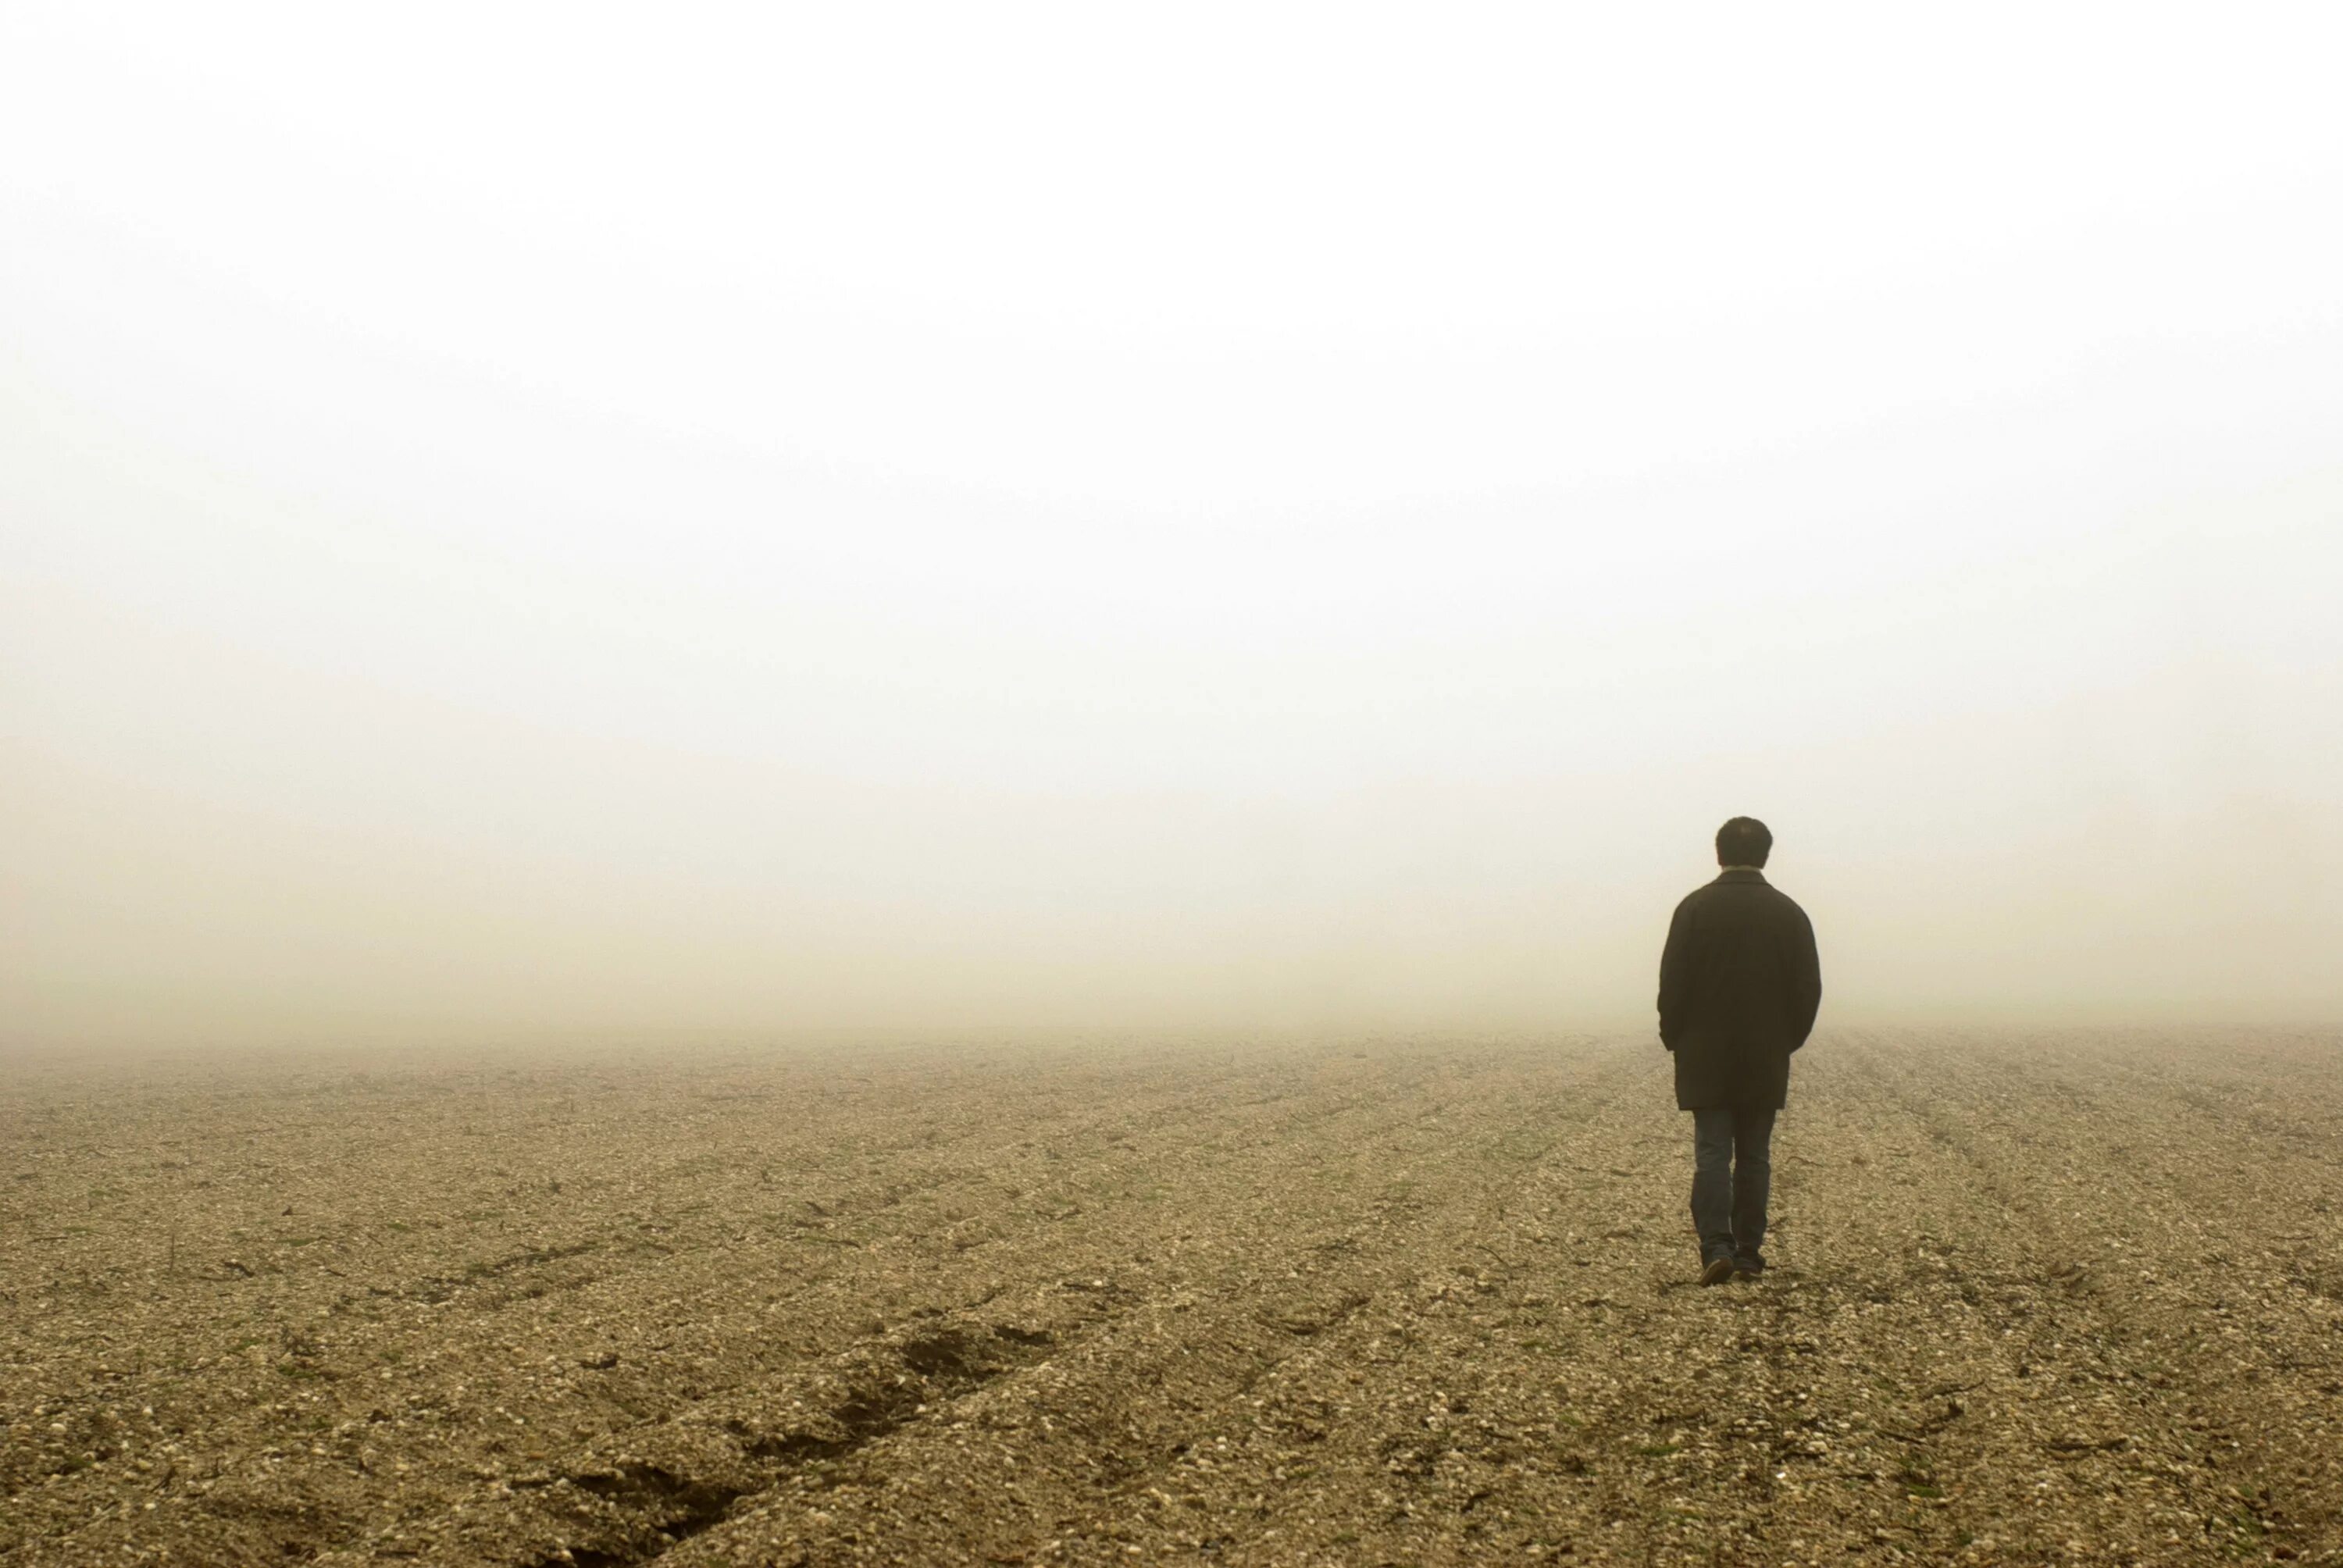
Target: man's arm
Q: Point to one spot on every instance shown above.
(1806, 978)
(1675, 974)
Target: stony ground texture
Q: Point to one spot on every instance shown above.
(2056, 1298)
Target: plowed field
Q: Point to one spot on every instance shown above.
(2050, 1297)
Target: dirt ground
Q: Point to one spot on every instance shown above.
(2046, 1298)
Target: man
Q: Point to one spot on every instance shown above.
(1739, 987)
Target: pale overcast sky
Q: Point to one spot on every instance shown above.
(527, 520)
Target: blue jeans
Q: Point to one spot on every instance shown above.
(1732, 1168)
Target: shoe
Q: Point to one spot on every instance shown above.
(1719, 1270)
(1747, 1271)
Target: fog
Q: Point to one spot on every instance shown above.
(539, 523)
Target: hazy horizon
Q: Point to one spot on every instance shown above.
(1264, 519)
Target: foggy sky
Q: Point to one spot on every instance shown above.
(517, 521)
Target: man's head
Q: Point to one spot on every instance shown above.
(1744, 841)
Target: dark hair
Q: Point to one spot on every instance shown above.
(1744, 841)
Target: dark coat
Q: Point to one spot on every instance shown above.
(1739, 987)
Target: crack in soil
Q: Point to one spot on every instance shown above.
(946, 1363)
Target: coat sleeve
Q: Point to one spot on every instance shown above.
(1675, 975)
(1806, 980)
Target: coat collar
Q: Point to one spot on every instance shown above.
(1742, 874)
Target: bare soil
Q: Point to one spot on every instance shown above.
(2049, 1297)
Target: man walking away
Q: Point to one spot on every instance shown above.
(1739, 987)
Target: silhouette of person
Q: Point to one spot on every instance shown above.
(1740, 984)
